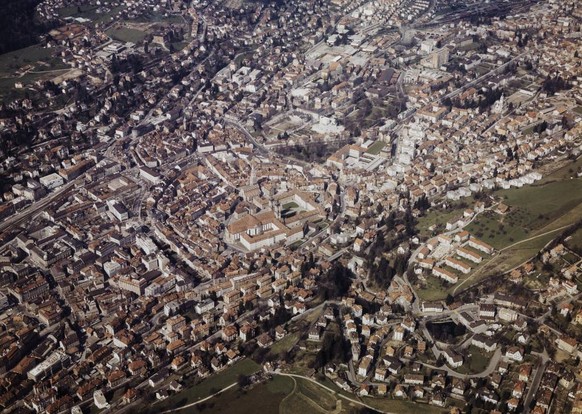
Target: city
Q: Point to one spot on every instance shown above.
(292, 206)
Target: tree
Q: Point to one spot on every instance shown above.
(336, 282)
(243, 381)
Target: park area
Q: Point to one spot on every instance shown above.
(209, 386)
(265, 397)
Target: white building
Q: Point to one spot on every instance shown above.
(52, 181)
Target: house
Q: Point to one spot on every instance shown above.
(298, 308)
(158, 378)
(436, 307)
(458, 386)
(502, 208)
(512, 404)
(487, 311)
(438, 399)
(399, 391)
(438, 381)
(452, 358)
(394, 367)
(137, 367)
(364, 366)
(566, 343)
(380, 374)
(525, 372)
(364, 390)
(115, 378)
(414, 379)
(398, 334)
(280, 333)
(246, 332)
(314, 333)
(408, 323)
(162, 394)
(229, 333)
(523, 338)
(480, 245)
(484, 342)
(215, 364)
(367, 319)
(488, 396)
(264, 341)
(130, 396)
(514, 353)
(518, 389)
(445, 275)
(418, 392)
(343, 384)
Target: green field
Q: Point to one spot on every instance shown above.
(34, 59)
(477, 363)
(290, 205)
(262, 398)
(575, 241)
(9, 62)
(531, 208)
(433, 289)
(376, 147)
(284, 344)
(177, 46)
(124, 34)
(500, 231)
(438, 217)
(400, 406)
(308, 397)
(9, 92)
(565, 172)
(210, 385)
(90, 12)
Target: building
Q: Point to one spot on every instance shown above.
(49, 366)
(365, 365)
(52, 181)
(469, 255)
(480, 245)
(457, 265)
(445, 275)
(452, 358)
(118, 210)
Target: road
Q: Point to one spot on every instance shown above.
(541, 367)
(490, 368)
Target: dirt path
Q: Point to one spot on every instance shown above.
(281, 405)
